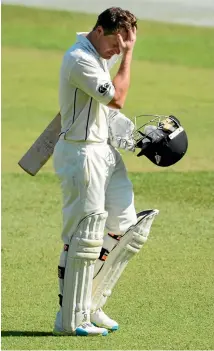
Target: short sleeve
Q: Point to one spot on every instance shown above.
(90, 78)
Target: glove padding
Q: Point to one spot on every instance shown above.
(121, 131)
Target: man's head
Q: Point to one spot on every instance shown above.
(111, 22)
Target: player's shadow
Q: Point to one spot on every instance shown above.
(25, 333)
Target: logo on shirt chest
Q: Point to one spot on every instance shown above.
(104, 88)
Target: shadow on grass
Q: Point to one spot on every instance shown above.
(25, 333)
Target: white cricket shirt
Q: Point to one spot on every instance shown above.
(85, 90)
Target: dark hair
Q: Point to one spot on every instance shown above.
(114, 19)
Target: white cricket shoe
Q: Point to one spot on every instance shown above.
(86, 329)
(100, 319)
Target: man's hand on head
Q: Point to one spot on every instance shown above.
(128, 44)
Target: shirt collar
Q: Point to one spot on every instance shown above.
(81, 37)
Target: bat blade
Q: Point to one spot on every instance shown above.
(42, 149)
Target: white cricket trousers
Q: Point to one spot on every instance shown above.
(93, 179)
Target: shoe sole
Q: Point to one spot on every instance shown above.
(81, 332)
(78, 332)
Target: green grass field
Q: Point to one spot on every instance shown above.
(164, 299)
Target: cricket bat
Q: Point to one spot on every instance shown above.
(42, 149)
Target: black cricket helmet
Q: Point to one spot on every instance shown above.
(162, 140)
